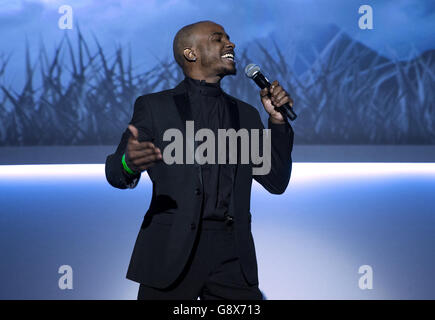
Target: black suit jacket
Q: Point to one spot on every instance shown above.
(169, 228)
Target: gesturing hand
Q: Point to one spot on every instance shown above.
(140, 156)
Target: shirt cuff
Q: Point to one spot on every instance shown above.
(280, 127)
(131, 180)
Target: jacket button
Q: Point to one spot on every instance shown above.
(197, 191)
(192, 226)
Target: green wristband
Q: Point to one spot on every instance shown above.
(126, 168)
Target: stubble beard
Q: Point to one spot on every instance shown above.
(221, 71)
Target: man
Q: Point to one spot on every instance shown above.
(195, 240)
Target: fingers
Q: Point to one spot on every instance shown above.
(274, 89)
(152, 157)
(264, 92)
(281, 100)
(147, 162)
(144, 153)
(273, 86)
(133, 144)
(140, 155)
(279, 96)
(143, 158)
(270, 90)
(134, 131)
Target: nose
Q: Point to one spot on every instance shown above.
(230, 45)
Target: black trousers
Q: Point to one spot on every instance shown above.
(213, 271)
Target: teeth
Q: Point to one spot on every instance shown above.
(228, 56)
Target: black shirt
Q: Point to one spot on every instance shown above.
(210, 110)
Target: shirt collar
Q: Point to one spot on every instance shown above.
(202, 87)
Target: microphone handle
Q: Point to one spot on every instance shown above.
(285, 109)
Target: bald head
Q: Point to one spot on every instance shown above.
(204, 51)
(185, 38)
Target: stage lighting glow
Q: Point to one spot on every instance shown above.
(310, 241)
(52, 171)
(301, 170)
(324, 170)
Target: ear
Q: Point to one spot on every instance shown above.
(189, 54)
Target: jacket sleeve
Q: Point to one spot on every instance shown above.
(115, 173)
(282, 136)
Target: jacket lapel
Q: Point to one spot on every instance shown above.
(234, 112)
(235, 123)
(181, 100)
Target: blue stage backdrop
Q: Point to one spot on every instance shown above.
(357, 220)
(71, 78)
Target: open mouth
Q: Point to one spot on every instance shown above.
(228, 56)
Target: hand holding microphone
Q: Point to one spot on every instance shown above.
(275, 99)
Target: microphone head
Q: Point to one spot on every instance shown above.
(251, 70)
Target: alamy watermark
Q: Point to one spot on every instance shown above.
(366, 20)
(66, 280)
(66, 20)
(173, 153)
(366, 280)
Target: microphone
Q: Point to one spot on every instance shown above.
(253, 71)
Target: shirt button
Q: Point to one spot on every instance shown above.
(197, 191)
(192, 226)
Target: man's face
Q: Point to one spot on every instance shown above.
(215, 50)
